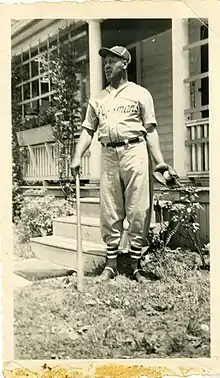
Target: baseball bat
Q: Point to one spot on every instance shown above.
(79, 237)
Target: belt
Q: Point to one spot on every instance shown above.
(123, 142)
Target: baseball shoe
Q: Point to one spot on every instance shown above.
(107, 274)
(139, 277)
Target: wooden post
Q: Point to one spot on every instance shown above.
(181, 94)
(95, 78)
(79, 238)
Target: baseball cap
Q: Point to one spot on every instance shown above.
(120, 51)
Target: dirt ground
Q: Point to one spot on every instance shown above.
(167, 317)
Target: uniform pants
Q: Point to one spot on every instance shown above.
(125, 191)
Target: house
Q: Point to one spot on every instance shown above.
(169, 58)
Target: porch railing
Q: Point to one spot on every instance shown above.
(42, 163)
(198, 146)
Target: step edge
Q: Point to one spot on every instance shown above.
(85, 221)
(58, 242)
(62, 238)
(92, 200)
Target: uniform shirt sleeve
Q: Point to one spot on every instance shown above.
(91, 120)
(147, 111)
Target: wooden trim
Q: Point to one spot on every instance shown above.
(196, 44)
(201, 174)
(30, 85)
(41, 178)
(31, 59)
(80, 58)
(30, 80)
(39, 74)
(196, 141)
(37, 98)
(196, 77)
(193, 151)
(22, 100)
(206, 148)
(51, 178)
(180, 94)
(49, 82)
(197, 122)
(72, 39)
(196, 110)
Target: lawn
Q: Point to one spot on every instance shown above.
(167, 317)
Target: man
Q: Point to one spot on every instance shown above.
(123, 115)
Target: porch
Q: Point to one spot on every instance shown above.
(41, 164)
(169, 60)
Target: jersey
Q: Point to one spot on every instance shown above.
(119, 114)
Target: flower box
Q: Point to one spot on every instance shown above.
(38, 135)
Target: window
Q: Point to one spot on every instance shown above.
(45, 86)
(34, 68)
(204, 68)
(26, 91)
(35, 88)
(35, 91)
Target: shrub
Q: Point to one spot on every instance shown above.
(182, 212)
(37, 214)
(17, 197)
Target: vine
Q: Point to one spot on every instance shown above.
(17, 172)
(63, 73)
(64, 114)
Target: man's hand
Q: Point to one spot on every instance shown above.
(83, 144)
(163, 167)
(165, 174)
(75, 165)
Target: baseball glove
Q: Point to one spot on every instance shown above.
(166, 175)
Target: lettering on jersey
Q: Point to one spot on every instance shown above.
(103, 112)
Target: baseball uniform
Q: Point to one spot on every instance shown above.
(126, 179)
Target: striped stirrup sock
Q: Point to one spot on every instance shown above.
(112, 253)
(135, 253)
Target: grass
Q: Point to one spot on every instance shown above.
(21, 251)
(119, 319)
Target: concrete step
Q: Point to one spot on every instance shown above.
(62, 251)
(89, 191)
(89, 207)
(66, 228)
(37, 269)
(19, 282)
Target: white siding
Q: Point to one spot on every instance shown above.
(195, 65)
(156, 56)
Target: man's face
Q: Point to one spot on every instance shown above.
(114, 67)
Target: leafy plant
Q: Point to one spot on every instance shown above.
(64, 114)
(33, 119)
(37, 214)
(17, 172)
(184, 212)
(64, 74)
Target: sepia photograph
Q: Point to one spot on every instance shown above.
(110, 188)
